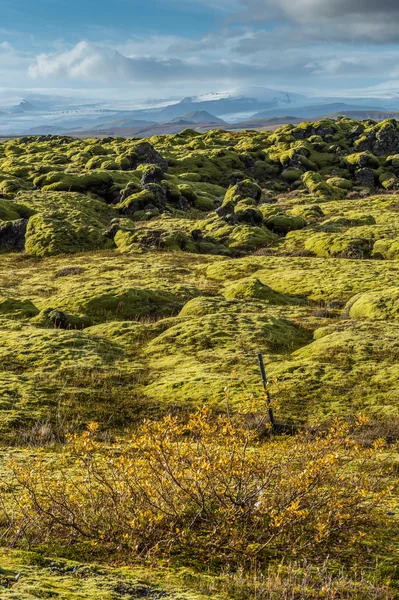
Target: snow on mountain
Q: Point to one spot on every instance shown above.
(260, 94)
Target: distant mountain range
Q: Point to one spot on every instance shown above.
(198, 116)
(239, 106)
(320, 109)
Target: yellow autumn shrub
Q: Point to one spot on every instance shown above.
(208, 487)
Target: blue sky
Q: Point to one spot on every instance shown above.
(140, 48)
(74, 20)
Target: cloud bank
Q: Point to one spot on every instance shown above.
(314, 46)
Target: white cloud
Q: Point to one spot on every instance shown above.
(87, 61)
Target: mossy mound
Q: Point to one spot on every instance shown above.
(253, 289)
(193, 359)
(12, 211)
(375, 306)
(155, 239)
(110, 303)
(231, 270)
(310, 212)
(66, 223)
(328, 376)
(231, 172)
(16, 308)
(327, 245)
(201, 306)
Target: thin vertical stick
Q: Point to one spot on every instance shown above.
(265, 386)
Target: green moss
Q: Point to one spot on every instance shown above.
(204, 203)
(190, 176)
(386, 248)
(97, 181)
(388, 180)
(310, 212)
(155, 239)
(247, 212)
(231, 270)
(9, 187)
(340, 223)
(339, 361)
(188, 193)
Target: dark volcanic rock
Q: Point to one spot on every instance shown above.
(12, 234)
(365, 177)
(148, 155)
(387, 141)
(152, 174)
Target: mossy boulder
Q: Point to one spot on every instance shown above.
(188, 193)
(292, 175)
(283, 223)
(240, 191)
(363, 160)
(98, 182)
(246, 211)
(386, 249)
(318, 186)
(340, 182)
(155, 239)
(138, 202)
(310, 212)
(51, 318)
(247, 238)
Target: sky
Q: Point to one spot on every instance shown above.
(133, 49)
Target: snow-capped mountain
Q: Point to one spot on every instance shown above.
(257, 93)
(58, 113)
